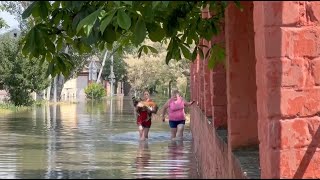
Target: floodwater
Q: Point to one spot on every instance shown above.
(89, 140)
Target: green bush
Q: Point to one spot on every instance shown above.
(95, 91)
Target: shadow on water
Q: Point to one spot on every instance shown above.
(100, 141)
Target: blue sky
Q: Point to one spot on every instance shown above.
(9, 20)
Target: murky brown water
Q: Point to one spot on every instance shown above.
(86, 141)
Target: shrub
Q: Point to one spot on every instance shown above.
(95, 91)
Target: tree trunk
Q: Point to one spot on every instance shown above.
(169, 91)
(60, 83)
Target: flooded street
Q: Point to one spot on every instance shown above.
(90, 140)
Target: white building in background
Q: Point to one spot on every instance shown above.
(73, 89)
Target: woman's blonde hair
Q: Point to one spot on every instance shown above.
(175, 92)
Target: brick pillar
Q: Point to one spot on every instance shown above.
(206, 83)
(191, 82)
(201, 82)
(241, 82)
(288, 94)
(206, 73)
(196, 80)
(218, 88)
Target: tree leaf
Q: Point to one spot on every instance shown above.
(59, 43)
(165, 3)
(109, 35)
(145, 49)
(88, 22)
(140, 31)
(155, 32)
(217, 56)
(169, 56)
(153, 50)
(123, 19)
(106, 20)
(29, 10)
(50, 69)
(140, 51)
(117, 3)
(212, 61)
(155, 4)
(127, 2)
(185, 51)
(44, 8)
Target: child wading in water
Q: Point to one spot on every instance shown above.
(145, 109)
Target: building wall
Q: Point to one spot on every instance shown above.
(272, 89)
(287, 53)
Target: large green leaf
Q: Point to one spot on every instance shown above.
(185, 51)
(217, 56)
(29, 10)
(44, 8)
(155, 32)
(140, 31)
(88, 22)
(106, 20)
(109, 35)
(35, 42)
(123, 19)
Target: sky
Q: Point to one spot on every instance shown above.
(9, 20)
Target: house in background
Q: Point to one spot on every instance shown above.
(73, 89)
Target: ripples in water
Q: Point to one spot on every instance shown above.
(154, 137)
(73, 141)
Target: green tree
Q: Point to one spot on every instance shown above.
(18, 75)
(95, 91)
(151, 72)
(89, 24)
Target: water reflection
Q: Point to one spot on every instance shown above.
(142, 160)
(86, 140)
(177, 157)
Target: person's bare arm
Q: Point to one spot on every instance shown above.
(186, 103)
(164, 108)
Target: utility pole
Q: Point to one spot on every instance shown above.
(103, 62)
(111, 77)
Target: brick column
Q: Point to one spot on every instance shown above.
(206, 73)
(206, 83)
(288, 94)
(197, 80)
(241, 82)
(191, 81)
(201, 83)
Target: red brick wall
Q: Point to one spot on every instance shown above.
(287, 52)
(212, 153)
(272, 54)
(211, 150)
(241, 73)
